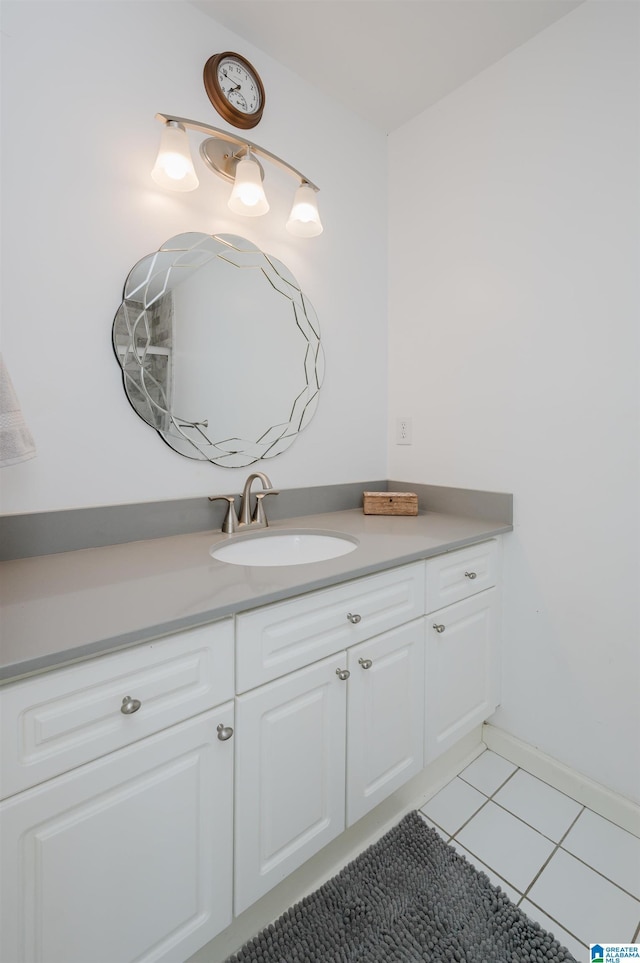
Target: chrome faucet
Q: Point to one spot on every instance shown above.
(258, 519)
(232, 523)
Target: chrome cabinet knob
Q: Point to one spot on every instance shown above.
(130, 705)
(354, 619)
(471, 575)
(343, 674)
(438, 628)
(224, 732)
(365, 663)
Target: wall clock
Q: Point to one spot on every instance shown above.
(234, 88)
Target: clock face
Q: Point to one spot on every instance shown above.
(234, 88)
(239, 86)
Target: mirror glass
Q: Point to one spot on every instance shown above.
(219, 349)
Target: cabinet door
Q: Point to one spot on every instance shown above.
(290, 758)
(461, 670)
(128, 858)
(385, 716)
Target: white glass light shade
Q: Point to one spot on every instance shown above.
(304, 219)
(174, 167)
(248, 196)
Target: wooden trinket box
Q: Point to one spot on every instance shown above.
(390, 503)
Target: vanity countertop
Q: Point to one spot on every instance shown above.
(62, 608)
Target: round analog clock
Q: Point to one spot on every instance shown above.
(235, 89)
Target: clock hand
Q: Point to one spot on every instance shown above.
(237, 86)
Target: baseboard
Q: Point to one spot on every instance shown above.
(605, 802)
(342, 850)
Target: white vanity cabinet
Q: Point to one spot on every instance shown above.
(150, 795)
(462, 648)
(320, 746)
(127, 856)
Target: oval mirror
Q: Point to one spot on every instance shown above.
(219, 349)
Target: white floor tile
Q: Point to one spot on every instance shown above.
(432, 825)
(515, 851)
(544, 808)
(453, 805)
(512, 893)
(569, 899)
(577, 949)
(612, 851)
(488, 772)
(589, 906)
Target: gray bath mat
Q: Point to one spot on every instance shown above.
(407, 898)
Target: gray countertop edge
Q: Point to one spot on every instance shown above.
(381, 540)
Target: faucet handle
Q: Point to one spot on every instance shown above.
(258, 514)
(230, 523)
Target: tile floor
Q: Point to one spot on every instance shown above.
(574, 872)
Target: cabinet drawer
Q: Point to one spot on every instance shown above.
(280, 638)
(60, 720)
(458, 575)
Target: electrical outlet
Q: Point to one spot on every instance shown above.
(403, 431)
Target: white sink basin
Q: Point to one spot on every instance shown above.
(283, 548)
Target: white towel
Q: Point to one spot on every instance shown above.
(16, 441)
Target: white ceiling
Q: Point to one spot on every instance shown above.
(387, 60)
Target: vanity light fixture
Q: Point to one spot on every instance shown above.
(174, 168)
(304, 219)
(236, 160)
(248, 196)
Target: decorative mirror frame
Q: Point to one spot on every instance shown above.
(143, 348)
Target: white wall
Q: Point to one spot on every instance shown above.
(514, 348)
(82, 82)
